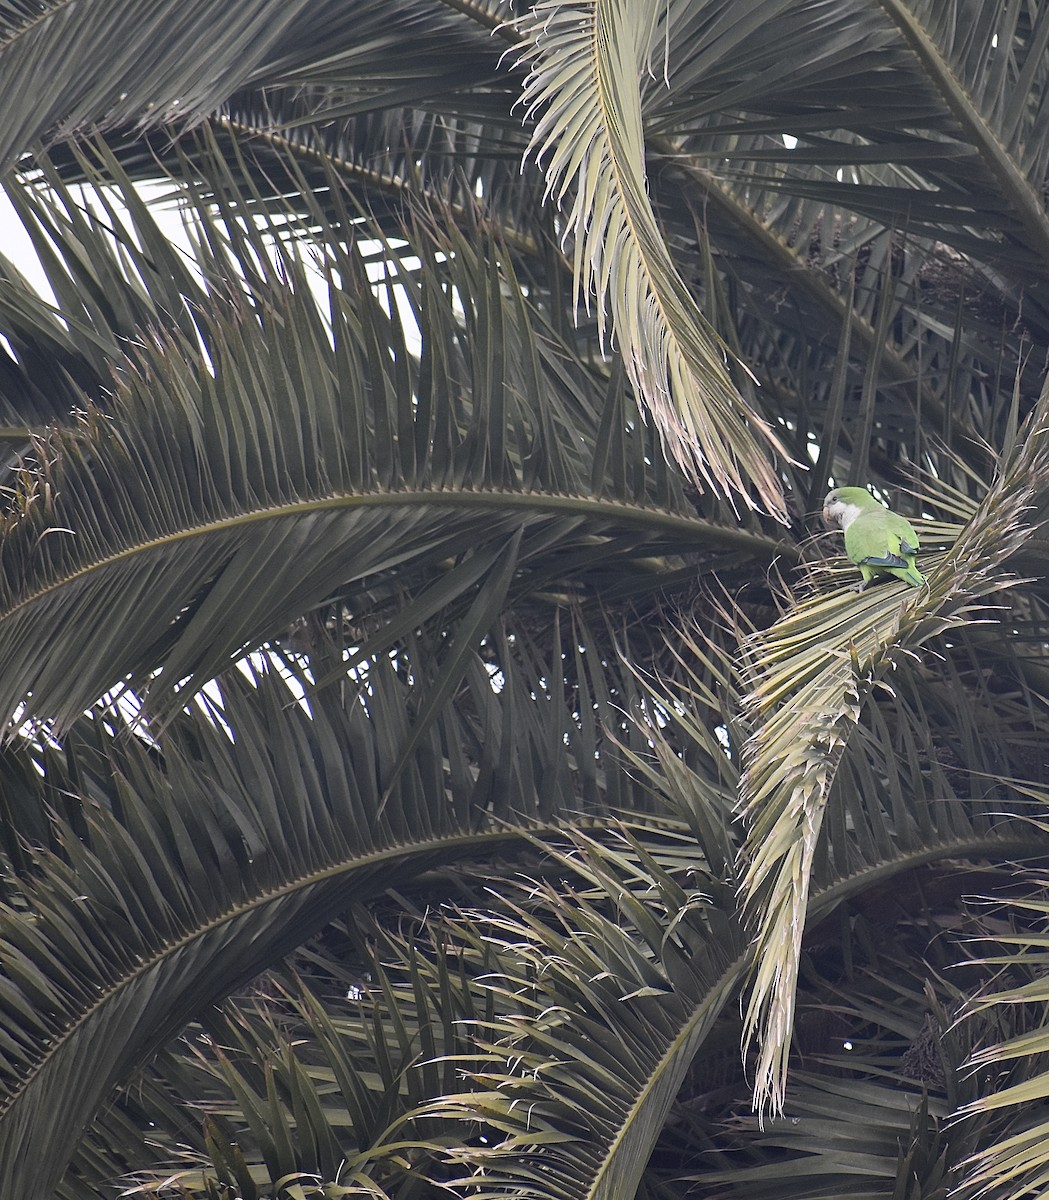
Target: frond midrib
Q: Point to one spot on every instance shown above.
(461, 842)
(709, 1006)
(761, 546)
(1003, 846)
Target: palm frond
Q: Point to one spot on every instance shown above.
(1014, 1161)
(348, 429)
(152, 64)
(184, 870)
(294, 458)
(599, 1017)
(318, 1081)
(306, 1086)
(147, 61)
(843, 1137)
(812, 673)
(585, 63)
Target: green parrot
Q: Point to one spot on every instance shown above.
(878, 541)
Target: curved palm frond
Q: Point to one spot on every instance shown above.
(599, 1015)
(296, 458)
(812, 673)
(183, 871)
(358, 1091)
(899, 802)
(585, 62)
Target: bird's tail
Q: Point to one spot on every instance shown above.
(911, 575)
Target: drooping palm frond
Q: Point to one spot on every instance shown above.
(812, 674)
(585, 63)
(902, 799)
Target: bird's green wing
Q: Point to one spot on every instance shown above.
(881, 538)
(900, 527)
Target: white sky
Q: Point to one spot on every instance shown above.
(15, 243)
(16, 246)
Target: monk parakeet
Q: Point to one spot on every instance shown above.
(878, 541)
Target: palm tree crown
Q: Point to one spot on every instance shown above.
(440, 731)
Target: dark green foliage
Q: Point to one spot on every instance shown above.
(437, 733)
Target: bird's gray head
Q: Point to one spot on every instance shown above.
(843, 505)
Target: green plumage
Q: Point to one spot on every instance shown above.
(878, 541)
